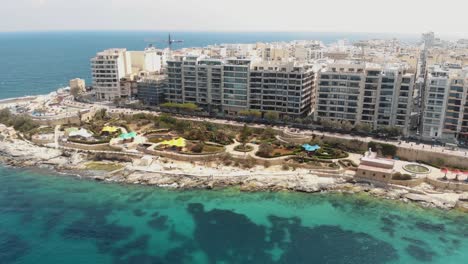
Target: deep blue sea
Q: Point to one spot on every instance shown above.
(37, 63)
(56, 219)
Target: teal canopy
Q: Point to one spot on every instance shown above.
(310, 148)
(128, 135)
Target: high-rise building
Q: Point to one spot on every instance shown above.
(428, 39)
(283, 88)
(108, 67)
(445, 113)
(235, 86)
(379, 95)
(113, 70)
(232, 85)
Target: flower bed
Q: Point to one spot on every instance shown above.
(241, 148)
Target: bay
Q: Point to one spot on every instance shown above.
(49, 218)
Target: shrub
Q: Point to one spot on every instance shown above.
(198, 148)
(401, 177)
(21, 123)
(242, 148)
(285, 167)
(226, 159)
(384, 149)
(268, 134)
(248, 162)
(167, 119)
(265, 150)
(110, 157)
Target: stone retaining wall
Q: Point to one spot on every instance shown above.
(84, 146)
(408, 183)
(58, 121)
(432, 157)
(448, 185)
(181, 157)
(42, 141)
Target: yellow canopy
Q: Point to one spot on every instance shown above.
(109, 129)
(180, 142)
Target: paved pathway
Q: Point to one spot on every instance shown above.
(231, 150)
(291, 131)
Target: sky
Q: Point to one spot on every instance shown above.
(445, 17)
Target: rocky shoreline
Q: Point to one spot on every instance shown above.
(22, 154)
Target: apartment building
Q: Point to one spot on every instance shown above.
(114, 70)
(445, 109)
(379, 95)
(283, 88)
(108, 67)
(151, 89)
(235, 85)
(194, 79)
(231, 85)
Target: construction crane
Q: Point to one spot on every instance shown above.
(361, 45)
(169, 42)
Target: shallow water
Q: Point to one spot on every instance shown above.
(48, 218)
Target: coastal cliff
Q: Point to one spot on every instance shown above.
(20, 153)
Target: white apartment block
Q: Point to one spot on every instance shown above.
(445, 112)
(108, 67)
(112, 70)
(380, 95)
(148, 60)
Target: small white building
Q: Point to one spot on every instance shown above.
(375, 169)
(78, 84)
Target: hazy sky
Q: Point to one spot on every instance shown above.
(447, 17)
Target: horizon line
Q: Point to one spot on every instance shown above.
(200, 31)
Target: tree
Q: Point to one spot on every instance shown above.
(75, 91)
(389, 131)
(5, 116)
(101, 114)
(330, 124)
(268, 134)
(271, 116)
(80, 116)
(308, 120)
(187, 107)
(383, 149)
(181, 126)
(363, 127)
(252, 114)
(346, 125)
(265, 150)
(245, 134)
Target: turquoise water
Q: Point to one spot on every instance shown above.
(48, 218)
(41, 62)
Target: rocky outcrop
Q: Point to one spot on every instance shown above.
(22, 153)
